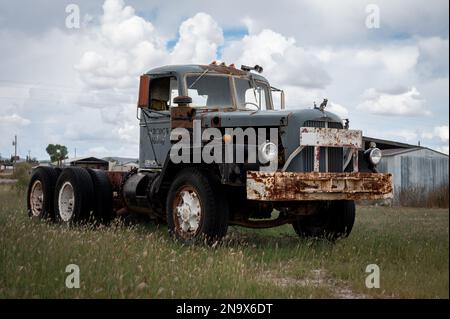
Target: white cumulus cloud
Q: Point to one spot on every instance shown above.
(407, 103)
(200, 37)
(439, 132)
(284, 62)
(124, 45)
(14, 119)
(431, 61)
(395, 59)
(337, 108)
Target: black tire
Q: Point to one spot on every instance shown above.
(343, 222)
(332, 223)
(58, 170)
(103, 196)
(80, 181)
(213, 223)
(46, 177)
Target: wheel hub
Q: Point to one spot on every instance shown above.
(188, 211)
(66, 200)
(36, 198)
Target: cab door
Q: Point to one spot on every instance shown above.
(155, 122)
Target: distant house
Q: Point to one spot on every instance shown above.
(123, 168)
(121, 160)
(122, 164)
(88, 162)
(415, 169)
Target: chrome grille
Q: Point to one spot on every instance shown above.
(335, 157)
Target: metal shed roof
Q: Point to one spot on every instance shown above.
(86, 160)
(386, 144)
(397, 151)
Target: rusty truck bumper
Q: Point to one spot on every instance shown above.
(293, 186)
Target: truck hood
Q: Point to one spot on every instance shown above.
(244, 118)
(275, 118)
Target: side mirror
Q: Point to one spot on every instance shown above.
(182, 100)
(144, 91)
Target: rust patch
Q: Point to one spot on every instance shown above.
(116, 179)
(224, 69)
(316, 158)
(330, 137)
(182, 116)
(285, 186)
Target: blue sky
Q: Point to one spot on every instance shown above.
(78, 86)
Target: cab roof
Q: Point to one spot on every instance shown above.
(180, 70)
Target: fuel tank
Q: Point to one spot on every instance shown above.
(137, 192)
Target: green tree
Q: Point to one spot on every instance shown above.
(57, 152)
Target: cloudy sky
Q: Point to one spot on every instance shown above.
(78, 86)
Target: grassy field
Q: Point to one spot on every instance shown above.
(410, 245)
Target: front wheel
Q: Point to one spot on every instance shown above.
(195, 207)
(332, 222)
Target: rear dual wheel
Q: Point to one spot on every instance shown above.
(40, 193)
(72, 195)
(102, 208)
(83, 195)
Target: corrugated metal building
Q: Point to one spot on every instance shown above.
(415, 169)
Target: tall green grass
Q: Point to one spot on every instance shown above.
(410, 245)
(417, 196)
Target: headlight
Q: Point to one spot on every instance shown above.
(268, 152)
(375, 156)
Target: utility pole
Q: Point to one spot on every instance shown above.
(75, 153)
(15, 146)
(15, 152)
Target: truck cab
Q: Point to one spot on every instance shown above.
(213, 89)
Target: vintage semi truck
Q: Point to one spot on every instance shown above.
(214, 152)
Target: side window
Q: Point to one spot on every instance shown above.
(162, 92)
(255, 97)
(173, 90)
(252, 98)
(197, 99)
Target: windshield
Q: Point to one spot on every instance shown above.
(252, 94)
(212, 91)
